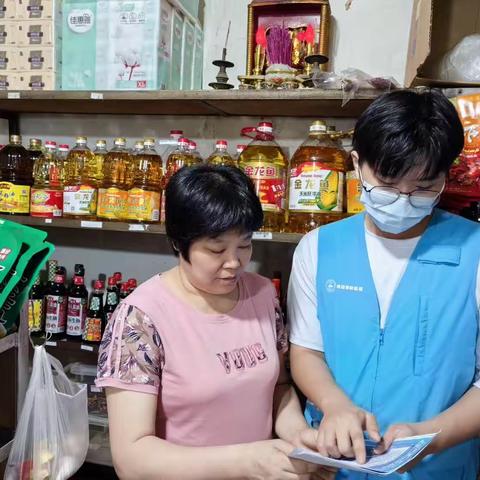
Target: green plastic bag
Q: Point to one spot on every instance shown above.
(23, 252)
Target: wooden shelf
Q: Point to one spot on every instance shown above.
(154, 229)
(263, 103)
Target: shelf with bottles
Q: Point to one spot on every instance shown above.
(290, 103)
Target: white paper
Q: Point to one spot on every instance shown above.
(402, 451)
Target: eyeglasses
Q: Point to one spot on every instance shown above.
(384, 195)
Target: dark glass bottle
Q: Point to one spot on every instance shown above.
(112, 298)
(77, 308)
(95, 321)
(36, 308)
(124, 291)
(56, 306)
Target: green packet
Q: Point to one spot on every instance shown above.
(23, 252)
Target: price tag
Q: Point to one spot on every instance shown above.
(138, 227)
(262, 236)
(96, 96)
(87, 224)
(51, 344)
(88, 348)
(13, 95)
(48, 220)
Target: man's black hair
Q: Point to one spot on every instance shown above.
(206, 201)
(405, 131)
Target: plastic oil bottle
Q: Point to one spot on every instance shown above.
(193, 149)
(316, 181)
(35, 151)
(62, 155)
(113, 194)
(47, 191)
(99, 153)
(266, 164)
(81, 186)
(16, 178)
(143, 204)
(220, 155)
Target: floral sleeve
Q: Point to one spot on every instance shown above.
(282, 336)
(131, 355)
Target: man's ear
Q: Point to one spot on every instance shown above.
(354, 157)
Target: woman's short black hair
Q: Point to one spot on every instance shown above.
(406, 130)
(206, 201)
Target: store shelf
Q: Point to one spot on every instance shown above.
(8, 342)
(69, 346)
(155, 229)
(263, 103)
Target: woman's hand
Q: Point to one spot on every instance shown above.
(341, 432)
(269, 460)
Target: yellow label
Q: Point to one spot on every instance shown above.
(14, 198)
(112, 203)
(35, 315)
(354, 191)
(143, 206)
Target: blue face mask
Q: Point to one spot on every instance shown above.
(399, 216)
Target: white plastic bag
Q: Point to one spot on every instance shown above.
(51, 441)
(462, 63)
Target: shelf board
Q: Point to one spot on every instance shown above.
(264, 103)
(70, 346)
(155, 229)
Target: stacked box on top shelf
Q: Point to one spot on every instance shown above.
(118, 45)
(28, 49)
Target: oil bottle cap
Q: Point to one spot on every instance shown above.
(176, 133)
(101, 143)
(221, 144)
(318, 126)
(149, 141)
(35, 142)
(50, 144)
(81, 140)
(16, 139)
(241, 148)
(265, 127)
(120, 141)
(64, 147)
(192, 145)
(183, 141)
(139, 145)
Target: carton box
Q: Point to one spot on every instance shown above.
(9, 81)
(8, 58)
(35, 9)
(35, 58)
(8, 33)
(7, 9)
(177, 50)
(35, 33)
(165, 45)
(197, 77)
(36, 80)
(187, 54)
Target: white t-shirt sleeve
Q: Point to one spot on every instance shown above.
(477, 373)
(302, 295)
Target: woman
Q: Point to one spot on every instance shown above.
(193, 360)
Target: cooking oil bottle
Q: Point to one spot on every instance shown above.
(239, 150)
(143, 204)
(99, 153)
(16, 178)
(47, 191)
(316, 181)
(35, 151)
(113, 194)
(62, 155)
(192, 147)
(81, 186)
(220, 155)
(265, 163)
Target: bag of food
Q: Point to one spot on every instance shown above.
(51, 441)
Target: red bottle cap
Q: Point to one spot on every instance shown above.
(118, 277)
(112, 282)
(265, 127)
(50, 143)
(132, 283)
(64, 147)
(176, 132)
(124, 287)
(98, 285)
(78, 280)
(222, 144)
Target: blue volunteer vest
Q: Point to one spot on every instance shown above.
(423, 361)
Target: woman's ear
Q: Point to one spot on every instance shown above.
(354, 157)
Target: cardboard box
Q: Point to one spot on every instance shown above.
(177, 49)
(35, 33)
(9, 81)
(188, 47)
(197, 74)
(36, 80)
(7, 9)
(8, 59)
(35, 9)
(35, 59)
(165, 45)
(8, 33)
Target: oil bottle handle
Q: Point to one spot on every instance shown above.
(247, 131)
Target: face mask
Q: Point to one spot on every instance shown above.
(399, 216)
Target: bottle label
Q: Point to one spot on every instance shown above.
(112, 298)
(80, 200)
(35, 315)
(354, 191)
(112, 203)
(270, 182)
(143, 206)
(14, 198)
(46, 203)
(56, 314)
(76, 315)
(314, 189)
(93, 330)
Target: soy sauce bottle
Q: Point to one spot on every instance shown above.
(95, 321)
